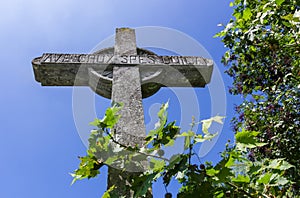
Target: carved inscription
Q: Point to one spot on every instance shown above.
(123, 60)
(77, 58)
(159, 60)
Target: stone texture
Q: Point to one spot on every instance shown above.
(126, 89)
(95, 70)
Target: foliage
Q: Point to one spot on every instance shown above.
(234, 176)
(263, 41)
(263, 59)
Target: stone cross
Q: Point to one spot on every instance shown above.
(126, 74)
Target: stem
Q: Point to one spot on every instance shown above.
(166, 189)
(190, 153)
(191, 144)
(197, 156)
(135, 149)
(239, 189)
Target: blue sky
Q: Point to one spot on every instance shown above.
(39, 142)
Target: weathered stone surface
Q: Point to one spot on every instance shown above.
(95, 70)
(91, 60)
(126, 89)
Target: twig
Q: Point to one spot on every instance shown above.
(134, 149)
(239, 189)
(197, 156)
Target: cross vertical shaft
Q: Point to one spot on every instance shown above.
(126, 89)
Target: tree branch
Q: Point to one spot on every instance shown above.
(239, 189)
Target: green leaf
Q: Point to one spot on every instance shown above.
(282, 181)
(111, 160)
(180, 175)
(175, 159)
(212, 172)
(187, 142)
(142, 184)
(247, 14)
(88, 168)
(207, 123)
(75, 178)
(188, 136)
(199, 139)
(230, 162)
(260, 144)
(111, 117)
(279, 2)
(219, 194)
(231, 4)
(237, 16)
(157, 165)
(248, 139)
(285, 166)
(107, 193)
(265, 178)
(241, 179)
(163, 110)
(159, 130)
(170, 143)
(96, 122)
(274, 164)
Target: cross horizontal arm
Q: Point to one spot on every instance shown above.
(142, 60)
(61, 69)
